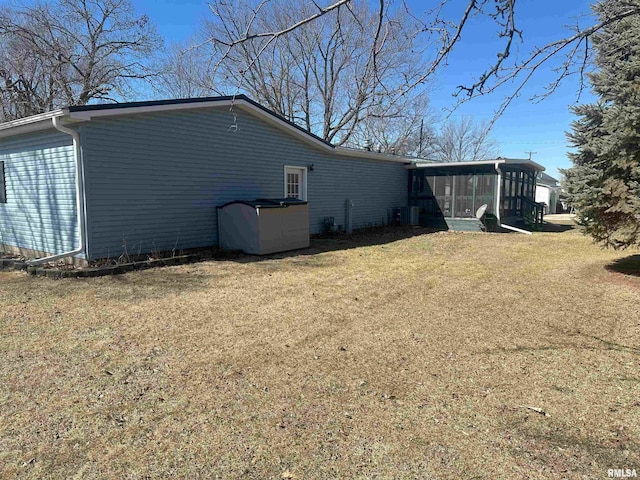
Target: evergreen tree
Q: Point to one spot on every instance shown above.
(604, 183)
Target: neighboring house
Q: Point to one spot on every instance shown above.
(548, 192)
(450, 194)
(151, 175)
(95, 181)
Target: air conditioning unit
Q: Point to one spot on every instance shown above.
(410, 215)
(414, 217)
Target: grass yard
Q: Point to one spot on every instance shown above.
(414, 358)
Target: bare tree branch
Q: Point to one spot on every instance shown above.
(68, 52)
(521, 72)
(464, 140)
(246, 33)
(329, 74)
(275, 34)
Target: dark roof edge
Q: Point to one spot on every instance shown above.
(84, 113)
(154, 103)
(187, 101)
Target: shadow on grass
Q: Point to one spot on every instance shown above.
(601, 344)
(556, 227)
(366, 238)
(342, 241)
(628, 265)
(545, 443)
(615, 346)
(154, 283)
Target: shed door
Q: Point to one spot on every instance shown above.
(295, 182)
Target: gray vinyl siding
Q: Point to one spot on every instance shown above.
(40, 209)
(154, 180)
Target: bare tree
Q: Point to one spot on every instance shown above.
(403, 128)
(464, 140)
(568, 56)
(70, 52)
(186, 71)
(440, 31)
(333, 75)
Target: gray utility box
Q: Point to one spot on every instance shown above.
(264, 226)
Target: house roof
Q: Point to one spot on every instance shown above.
(544, 179)
(87, 112)
(485, 163)
(128, 108)
(29, 124)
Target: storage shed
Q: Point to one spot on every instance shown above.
(264, 226)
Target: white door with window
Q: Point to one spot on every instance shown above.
(295, 182)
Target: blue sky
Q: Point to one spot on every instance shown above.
(525, 126)
(537, 127)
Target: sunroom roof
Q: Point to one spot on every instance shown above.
(497, 161)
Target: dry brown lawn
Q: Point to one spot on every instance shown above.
(414, 358)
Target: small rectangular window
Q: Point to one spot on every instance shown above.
(3, 187)
(295, 182)
(293, 185)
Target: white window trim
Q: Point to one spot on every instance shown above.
(304, 180)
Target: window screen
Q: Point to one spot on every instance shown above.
(293, 185)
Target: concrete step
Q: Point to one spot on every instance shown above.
(464, 224)
(455, 224)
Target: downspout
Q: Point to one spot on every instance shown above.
(498, 191)
(500, 224)
(80, 207)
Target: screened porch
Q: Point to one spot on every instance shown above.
(446, 193)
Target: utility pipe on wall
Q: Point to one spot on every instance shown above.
(348, 223)
(80, 207)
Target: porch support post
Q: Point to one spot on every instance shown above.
(497, 190)
(453, 196)
(473, 198)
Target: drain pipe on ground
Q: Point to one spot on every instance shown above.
(80, 210)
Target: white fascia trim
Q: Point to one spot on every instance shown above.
(29, 124)
(115, 112)
(32, 119)
(248, 107)
(350, 152)
(505, 161)
(535, 165)
(455, 164)
(241, 103)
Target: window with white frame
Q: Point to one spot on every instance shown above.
(295, 182)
